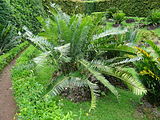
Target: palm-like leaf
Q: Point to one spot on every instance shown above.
(126, 77)
(116, 47)
(128, 60)
(99, 77)
(94, 94)
(39, 42)
(109, 32)
(56, 86)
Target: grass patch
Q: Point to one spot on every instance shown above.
(108, 107)
(157, 31)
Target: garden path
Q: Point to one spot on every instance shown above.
(7, 102)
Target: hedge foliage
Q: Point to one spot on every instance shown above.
(9, 56)
(22, 13)
(5, 12)
(25, 13)
(139, 8)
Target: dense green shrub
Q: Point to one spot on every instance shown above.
(29, 93)
(149, 72)
(138, 8)
(119, 17)
(110, 12)
(8, 38)
(6, 58)
(154, 17)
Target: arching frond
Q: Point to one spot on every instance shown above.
(39, 42)
(116, 47)
(128, 60)
(135, 85)
(99, 77)
(151, 74)
(109, 32)
(94, 94)
(56, 87)
(62, 82)
(64, 50)
(42, 58)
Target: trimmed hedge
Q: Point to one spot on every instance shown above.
(9, 56)
(68, 6)
(139, 8)
(28, 92)
(5, 12)
(22, 13)
(25, 13)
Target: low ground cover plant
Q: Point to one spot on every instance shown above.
(28, 91)
(10, 55)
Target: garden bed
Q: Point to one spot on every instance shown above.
(28, 92)
(9, 56)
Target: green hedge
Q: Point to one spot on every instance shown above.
(22, 13)
(9, 56)
(28, 92)
(25, 13)
(5, 12)
(139, 8)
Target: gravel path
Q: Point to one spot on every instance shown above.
(7, 102)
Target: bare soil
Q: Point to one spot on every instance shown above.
(7, 102)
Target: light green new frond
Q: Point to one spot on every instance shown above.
(41, 59)
(99, 77)
(109, 32)
(135, 85)
(39, 42)
(93, 89)
(64, 50)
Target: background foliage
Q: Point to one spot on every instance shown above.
(25, 13)
(130, 7)
(5, 12)
(22, 13)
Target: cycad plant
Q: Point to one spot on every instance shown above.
(71, 44)
(149, 72)
(8, 38)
